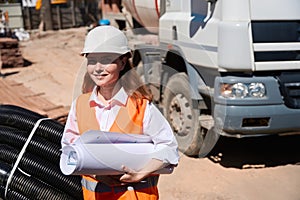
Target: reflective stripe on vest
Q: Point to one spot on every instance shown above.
(94, 186)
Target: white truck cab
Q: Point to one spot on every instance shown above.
(223, 67)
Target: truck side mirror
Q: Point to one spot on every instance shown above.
(211, 1)
(209, 12)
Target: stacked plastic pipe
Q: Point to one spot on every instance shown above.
(37, 175)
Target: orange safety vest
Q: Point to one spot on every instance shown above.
(128, 120)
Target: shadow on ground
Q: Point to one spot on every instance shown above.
(27, 62)
(3, 75)
(257, 152)
(13, 70)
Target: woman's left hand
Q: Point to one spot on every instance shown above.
(131, 175)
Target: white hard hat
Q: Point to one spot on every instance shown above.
(106, 39)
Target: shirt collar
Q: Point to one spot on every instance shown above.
(119, 98)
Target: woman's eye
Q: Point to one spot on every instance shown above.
(106, 61)
(92, 62)
(103, 61)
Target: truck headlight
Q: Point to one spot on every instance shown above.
(239, 90)
(242, 90)
(257, 90)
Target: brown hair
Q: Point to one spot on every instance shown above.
(129, 79)
(88, 84)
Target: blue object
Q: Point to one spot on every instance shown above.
(103, 22)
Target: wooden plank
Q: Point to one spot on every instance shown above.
(14, 93)
(8, 96)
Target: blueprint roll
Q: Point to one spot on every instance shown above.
(100, 137)
(90, 156)
(104, 159)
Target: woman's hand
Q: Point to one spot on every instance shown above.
(131, 175)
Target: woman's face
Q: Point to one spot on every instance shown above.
(104, 68)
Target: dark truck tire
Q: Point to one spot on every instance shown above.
(183, 118)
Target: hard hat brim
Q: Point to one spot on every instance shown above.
(106, 49)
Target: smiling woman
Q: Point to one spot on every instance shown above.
(115, 100)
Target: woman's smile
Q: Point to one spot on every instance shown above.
(100, 74)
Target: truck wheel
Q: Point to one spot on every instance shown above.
(183, 118)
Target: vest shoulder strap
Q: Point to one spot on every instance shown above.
(86, 116)
(130, 118)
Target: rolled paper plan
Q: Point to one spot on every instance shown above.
(98, 137)
(96, 153)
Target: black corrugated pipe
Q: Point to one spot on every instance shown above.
(49, 133)
(43, 170)
(38, 145)
(24, 119)
(11, 195)
(30, 187)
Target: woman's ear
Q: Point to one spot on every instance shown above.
(123, 62)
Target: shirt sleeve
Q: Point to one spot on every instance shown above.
(71, 131)
(158, 128)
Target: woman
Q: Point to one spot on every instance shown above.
(115, 100)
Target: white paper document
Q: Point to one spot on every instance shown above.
(98, 137)
(104, 153)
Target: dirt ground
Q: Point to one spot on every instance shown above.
(237, 169)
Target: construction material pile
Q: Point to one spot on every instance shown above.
(10, 53)
(29, 158)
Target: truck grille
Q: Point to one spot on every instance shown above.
(290, 88)
(276, 32)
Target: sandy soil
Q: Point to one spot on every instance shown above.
(237, 169)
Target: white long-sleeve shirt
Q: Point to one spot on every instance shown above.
(154, 125)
